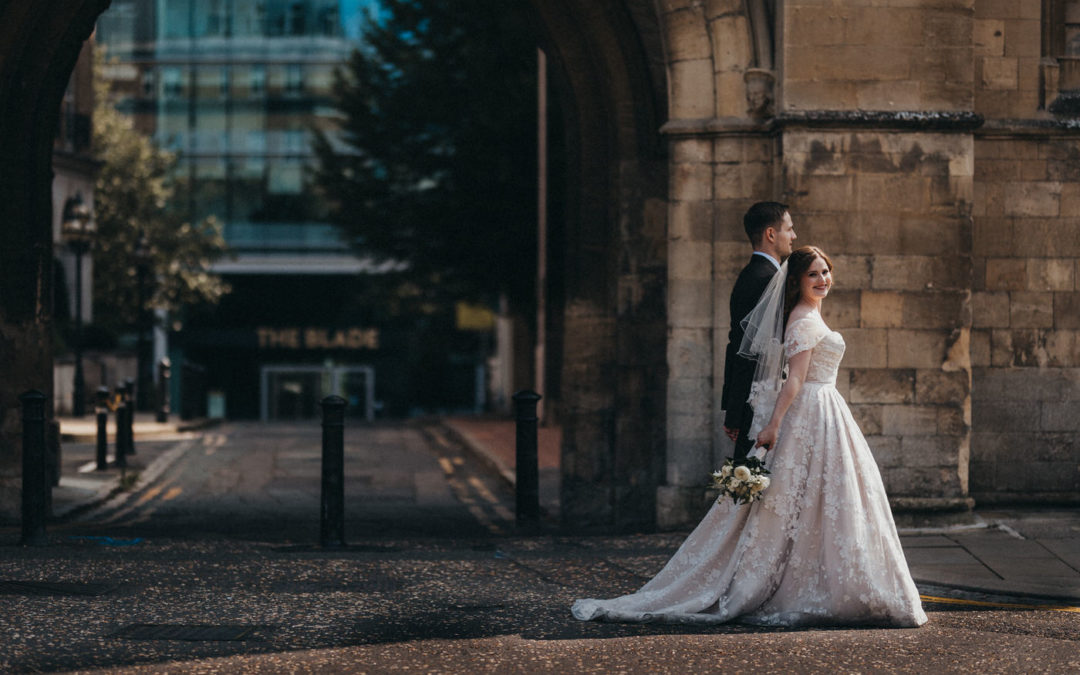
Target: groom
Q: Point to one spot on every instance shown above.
(769, 227)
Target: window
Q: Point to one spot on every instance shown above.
(1060, 86)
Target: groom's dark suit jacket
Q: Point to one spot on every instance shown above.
(739, 371)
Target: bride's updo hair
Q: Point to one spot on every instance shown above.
(798, 263)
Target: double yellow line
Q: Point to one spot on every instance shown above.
(1007, 605)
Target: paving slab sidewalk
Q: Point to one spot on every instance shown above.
(1020, 552)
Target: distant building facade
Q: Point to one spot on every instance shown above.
(234, 87)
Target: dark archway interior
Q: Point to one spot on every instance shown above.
(608, 309)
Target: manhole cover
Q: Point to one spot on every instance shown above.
(193, 633)
(8, 587)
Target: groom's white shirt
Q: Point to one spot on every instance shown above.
(768, 257)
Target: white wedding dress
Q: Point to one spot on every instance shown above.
(819, 548)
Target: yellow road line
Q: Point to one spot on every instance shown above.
(148, 495)
(447, 467)
(173, 493)
(1010, 605)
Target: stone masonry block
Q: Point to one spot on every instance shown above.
(881, 385)
(882, 309)
(690, 352)
(993, 236)
(923, 235)
(1023, 38)
(731, 49)
(851, 271)
(1062, 348)
(687, 37)
(866, 348)
(1051, 274)
(868, 417)
(812, 26)
(990, 309)
(691, 182)
(895, 272)
(1070, 200)
(691, 151)
(998, 72)
(841, 310)
(896, 95)
(688, 459)
(884, 26)
(886, 450)
(932, 309)
(692, 94)
(1033, 198)
(916, 348)
(938, 386)
(980, 348)
(1067, 311)
(1006, 274)
(690, 260)
(951, 422)
(908, 420)
(715, 8)
(930, 450)
(1006, 416)
(730, 93)
(1031, 310)
(989, 37)
(729, 259)
(690, 302)
(691, 221)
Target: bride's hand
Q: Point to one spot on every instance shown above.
(767, 438)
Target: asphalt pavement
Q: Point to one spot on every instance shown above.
(202, 556)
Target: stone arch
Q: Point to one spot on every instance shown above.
(39, 43)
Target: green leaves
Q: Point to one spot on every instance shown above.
(434, 159)
(131, 199)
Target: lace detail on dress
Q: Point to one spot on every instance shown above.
(804, 334)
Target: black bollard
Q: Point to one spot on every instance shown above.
(129, 432)
(527, 458)
(332, 508)
(120, 444)
(34, 484)
(164, 374)
(101, 404)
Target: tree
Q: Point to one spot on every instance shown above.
(131, 205)
(434, 161)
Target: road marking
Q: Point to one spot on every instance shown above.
(1010, 605)
(173, 493)
(447, 467)
(148, 495)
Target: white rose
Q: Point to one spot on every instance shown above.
(756, 487)
(764, 482)
(742, 473)
(725, 471)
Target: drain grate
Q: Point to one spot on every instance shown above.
(10, 587)
(188, 632)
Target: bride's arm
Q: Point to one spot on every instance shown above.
(797, 367)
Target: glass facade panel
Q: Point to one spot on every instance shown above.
(233, 86)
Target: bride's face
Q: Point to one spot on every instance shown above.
(817, 281)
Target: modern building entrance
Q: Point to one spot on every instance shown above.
(294, 392)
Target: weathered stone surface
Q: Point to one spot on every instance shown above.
(938, 386)
(1031, 310)
(929, 451)
(866, 348)
(1006, 274)
(1067, 311)
(841, 310)
(882, 309)
(908, 420)
(990, 310)
(916, 349)
(868, 417)
(882, 385)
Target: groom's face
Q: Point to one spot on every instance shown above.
(784, 236)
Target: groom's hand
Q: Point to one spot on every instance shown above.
(733, 434)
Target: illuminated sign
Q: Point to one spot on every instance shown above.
(318, 338)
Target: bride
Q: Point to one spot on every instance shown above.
(820, 547)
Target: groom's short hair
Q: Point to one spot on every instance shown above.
(762, 216)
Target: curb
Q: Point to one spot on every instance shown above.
(491, 461)
(112, 491)
(183, 427)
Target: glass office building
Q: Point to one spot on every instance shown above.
(233, 86)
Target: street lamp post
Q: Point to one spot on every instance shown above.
(143, 365)
(78, 228)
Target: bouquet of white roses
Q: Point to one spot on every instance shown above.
(743, 482)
